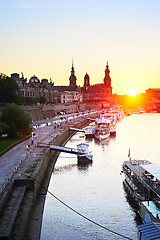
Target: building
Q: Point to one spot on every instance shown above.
(72, 83)
(68, 94)
(35, 87)
(86, 84)
(153, 92)
(71, 97)
(98, 93)
(72, 78)
(21, 81)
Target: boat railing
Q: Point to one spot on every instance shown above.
(152, 184)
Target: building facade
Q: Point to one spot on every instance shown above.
(35, 87)
(97, 93)
(71, 97)
(101, 92)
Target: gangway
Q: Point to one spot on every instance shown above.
(84, 157)
(92, 119)
(76, 129)
(64, 149)
(89, 132)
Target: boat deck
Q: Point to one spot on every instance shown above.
(136, 166)
(152, 208)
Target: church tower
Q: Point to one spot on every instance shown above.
(107, 79)
(72, 78)
(86, 81)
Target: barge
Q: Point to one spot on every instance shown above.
(143, 178)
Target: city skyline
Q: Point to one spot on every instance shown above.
(42, 36)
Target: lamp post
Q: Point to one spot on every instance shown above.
(32, 137)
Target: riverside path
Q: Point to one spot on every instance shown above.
(19, 162)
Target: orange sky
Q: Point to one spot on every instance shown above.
(41, 36)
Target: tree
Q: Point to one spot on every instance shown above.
(9, 90)
(3, 126)
(16, 119)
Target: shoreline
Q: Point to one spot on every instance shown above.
(39, 164)
(34, 230)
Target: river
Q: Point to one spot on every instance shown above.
(97, 191)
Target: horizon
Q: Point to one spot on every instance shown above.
(132, 93)
(42, 36)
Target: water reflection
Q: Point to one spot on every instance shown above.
(132, 202)
(64, 168)
(97, 190)
(82, 168)
(104, 142)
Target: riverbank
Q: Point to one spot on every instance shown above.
(36, 162)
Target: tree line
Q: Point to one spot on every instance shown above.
(13, 118)
(10, 93)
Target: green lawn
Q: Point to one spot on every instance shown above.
(6, 142)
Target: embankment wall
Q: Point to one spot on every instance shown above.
(40, 112)
(48, 155)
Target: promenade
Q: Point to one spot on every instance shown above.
(22, 161)
(18, 161)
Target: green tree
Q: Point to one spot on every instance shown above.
(9, 90)
(3, 126)
(16, 119)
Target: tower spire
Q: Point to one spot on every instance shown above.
(72, 79)
(72, 62)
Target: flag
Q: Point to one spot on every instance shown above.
(129, 153)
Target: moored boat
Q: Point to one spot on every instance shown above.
(143, 178)
(84, 156)
(113, 128)
(102, 129)
(89, 132)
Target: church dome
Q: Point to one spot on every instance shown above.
(34, 79)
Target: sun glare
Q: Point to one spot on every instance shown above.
(133, 94)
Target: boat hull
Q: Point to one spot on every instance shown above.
(101, 137)
(84, 159)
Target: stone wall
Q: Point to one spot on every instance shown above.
(40, 112)
(49, 158)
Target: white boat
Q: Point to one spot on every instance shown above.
(84, 156)
(89, 132)
(107, 115)
(102, 129)
(113, 128)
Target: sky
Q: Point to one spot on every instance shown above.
(42, 37)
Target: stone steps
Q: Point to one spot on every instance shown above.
(21, 222)
(10, 211)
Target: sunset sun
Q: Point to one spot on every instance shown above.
(133, 93)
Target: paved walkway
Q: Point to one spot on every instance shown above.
(16, 161)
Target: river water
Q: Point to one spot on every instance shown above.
(97, 191)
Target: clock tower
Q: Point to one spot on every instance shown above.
(72, 78)
(107, 79)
